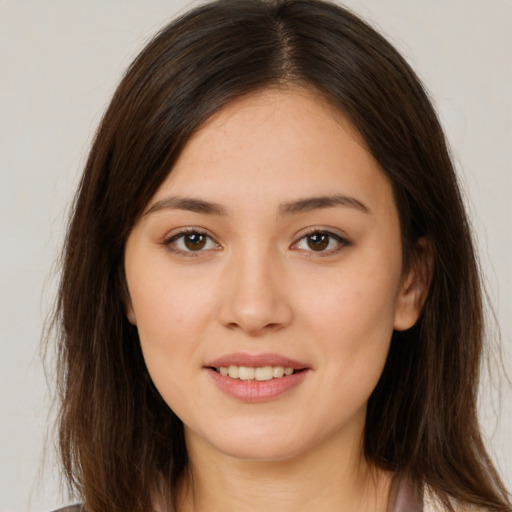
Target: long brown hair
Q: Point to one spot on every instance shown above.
(117, 436)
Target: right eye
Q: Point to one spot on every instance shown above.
(190, 241)
(321, 242)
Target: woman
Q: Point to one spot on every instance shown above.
(270, 298)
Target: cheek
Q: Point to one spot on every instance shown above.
(166, 302)
(170, 334)
(352, 321)
(353, 306)
(170, 324)
(171, 313)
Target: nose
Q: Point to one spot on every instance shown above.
(253, 298)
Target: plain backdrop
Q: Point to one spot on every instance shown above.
(59, 64)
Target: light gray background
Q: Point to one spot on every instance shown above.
(59, 64)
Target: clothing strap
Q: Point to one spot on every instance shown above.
(404, 497)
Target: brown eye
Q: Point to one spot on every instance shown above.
(190, 241)
(318, 241)
(194, 241)
(323, 242)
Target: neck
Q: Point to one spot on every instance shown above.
(331, 477)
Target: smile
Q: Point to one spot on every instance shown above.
(256, 378)
(260, 373)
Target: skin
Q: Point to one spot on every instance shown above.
(257, 286)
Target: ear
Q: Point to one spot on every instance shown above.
(125, 296)
(414, 288)
(130, 314)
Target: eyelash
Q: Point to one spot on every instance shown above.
(340, 241)
(170, 242)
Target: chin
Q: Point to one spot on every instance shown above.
(252, 442)
(264, 450)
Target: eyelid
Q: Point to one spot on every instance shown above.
(176, 234)
(181, 232)
(341, 240)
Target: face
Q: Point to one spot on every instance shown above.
(265, 279)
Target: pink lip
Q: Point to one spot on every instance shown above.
(253, 391)
(255, 360)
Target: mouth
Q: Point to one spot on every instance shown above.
(256, 378)
(258, 373)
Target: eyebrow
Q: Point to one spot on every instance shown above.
(317, 203)
(289, 208)
(189, 204)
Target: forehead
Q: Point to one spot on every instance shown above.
(279, 143)
(276, 119)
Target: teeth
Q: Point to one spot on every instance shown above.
(260, 373)
(278, 371)
(264, 373)
(246, 373)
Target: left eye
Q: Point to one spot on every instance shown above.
(320, 241)
(192, 241)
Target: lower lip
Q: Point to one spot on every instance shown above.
(256, 391)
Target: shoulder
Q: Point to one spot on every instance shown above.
(432, 504)
(406, 497)
(72, 508)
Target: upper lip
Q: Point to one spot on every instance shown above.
(256, 360)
